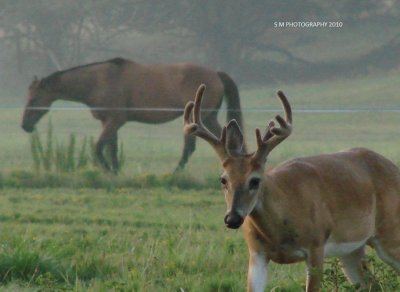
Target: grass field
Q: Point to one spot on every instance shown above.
(130, 240)
(142, 240)
(166, 238)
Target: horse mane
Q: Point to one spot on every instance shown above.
(54, 77)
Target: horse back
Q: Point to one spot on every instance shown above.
(170, 85)
(167, 88)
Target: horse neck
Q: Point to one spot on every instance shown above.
(74, 88)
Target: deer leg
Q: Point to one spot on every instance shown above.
(353, 267)
(188, 148)
(388, 254)
(257, 274)
(315, 269)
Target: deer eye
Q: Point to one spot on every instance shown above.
(254, 183)
(223, 181)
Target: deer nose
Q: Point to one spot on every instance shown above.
(233, 220)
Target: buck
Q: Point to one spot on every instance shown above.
(308, 208)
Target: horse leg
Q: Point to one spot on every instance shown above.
(113, 151)
(108, 137)
(101, 143)
(188, 148)
(212, 124)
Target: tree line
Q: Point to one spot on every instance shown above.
(228, 33)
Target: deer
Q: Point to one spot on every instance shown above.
(304, 209)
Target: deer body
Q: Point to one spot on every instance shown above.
(333, 203)
(308, 208)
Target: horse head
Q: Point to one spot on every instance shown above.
(38, 102)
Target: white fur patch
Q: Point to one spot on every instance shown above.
(258, 273)
(334, 249)
(301, 253)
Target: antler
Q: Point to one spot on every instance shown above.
(273, 135)
(193, 124)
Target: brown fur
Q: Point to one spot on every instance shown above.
(347, 196)
(119, 84)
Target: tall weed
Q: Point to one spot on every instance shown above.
(55, 156)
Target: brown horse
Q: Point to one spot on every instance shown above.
(114, 87)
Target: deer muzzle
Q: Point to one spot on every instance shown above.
(233, 220)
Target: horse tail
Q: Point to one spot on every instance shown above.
(232, 99)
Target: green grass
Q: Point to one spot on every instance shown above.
(150, 239)
(145, 240)
(98, 179)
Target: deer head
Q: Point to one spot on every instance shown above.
(242, 180)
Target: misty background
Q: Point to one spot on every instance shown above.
(42, 36)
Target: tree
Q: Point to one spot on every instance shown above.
(58, 33)
(228, 33)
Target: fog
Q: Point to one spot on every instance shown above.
(257, 42)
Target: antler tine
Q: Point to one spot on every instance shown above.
(286, 106)
(273, 135)
(196, 127)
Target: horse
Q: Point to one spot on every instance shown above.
(112, 88)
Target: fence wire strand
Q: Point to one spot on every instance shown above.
(251, 110)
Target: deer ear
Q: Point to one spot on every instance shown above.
(234, 139)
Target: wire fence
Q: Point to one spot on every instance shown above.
(250, 110)
(157, 148)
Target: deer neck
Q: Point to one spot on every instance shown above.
(268, 217)
(272, 228)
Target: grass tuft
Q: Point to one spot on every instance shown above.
(25, 265)
(65, 158)
(95, 178)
